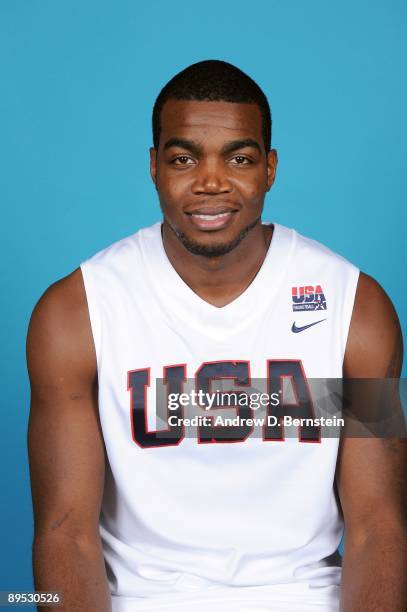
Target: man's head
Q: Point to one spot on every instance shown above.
(211, 155)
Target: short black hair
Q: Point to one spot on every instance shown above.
(214, 81)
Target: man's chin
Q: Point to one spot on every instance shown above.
(214, 249)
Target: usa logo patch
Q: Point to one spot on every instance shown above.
(308, 297)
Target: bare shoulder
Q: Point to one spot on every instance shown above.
(67, 294)
(375, 346)
(59, 328)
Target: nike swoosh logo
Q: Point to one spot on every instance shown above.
(296, 329)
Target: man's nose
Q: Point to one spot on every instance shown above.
(211, 177)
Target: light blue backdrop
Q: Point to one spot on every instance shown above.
(78, 80)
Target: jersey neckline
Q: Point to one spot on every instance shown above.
(257, 294)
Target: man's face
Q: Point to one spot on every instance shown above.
(211, 172)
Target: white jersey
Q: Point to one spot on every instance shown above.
(191, 519)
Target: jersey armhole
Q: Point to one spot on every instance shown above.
(93, 310)
(348, 306)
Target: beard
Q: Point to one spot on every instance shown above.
(214, 250)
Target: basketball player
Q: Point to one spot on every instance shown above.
(129, 519)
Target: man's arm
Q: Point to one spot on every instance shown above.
(66, 450)
(371, 472)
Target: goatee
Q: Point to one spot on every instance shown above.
(215, 250)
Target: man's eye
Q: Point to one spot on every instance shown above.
(240, 160)
(182, 160)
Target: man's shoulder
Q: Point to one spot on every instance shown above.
(125, 246)
(66, 298)
(309, 250)
(60, 319)
(319, 248)
(63, 296)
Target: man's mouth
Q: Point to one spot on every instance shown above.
(211, 217)
(209, 220)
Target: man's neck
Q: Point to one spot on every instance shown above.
(219, 280)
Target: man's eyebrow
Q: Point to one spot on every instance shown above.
(228, 147)
(234, 145)
(189, 145)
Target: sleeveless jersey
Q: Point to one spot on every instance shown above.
(191, 521)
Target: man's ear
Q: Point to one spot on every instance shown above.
(272, 161)
(153, 164)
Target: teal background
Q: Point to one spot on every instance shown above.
(78, 80)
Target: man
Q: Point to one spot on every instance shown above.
(209, 520)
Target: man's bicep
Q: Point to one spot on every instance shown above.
(371, 475)
(372, 458)
(66, 448)
(374, 347)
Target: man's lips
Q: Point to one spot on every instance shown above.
(211, 218)
(211, 210)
